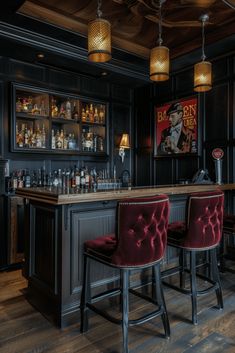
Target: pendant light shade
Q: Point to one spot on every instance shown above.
(99, 38)
(202, 76)
(159, 56)
(203, 69)
(159, 63)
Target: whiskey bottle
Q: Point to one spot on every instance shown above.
(96, 116)
(101, 115)
(75, 115)
(91, 113)
(83, 115)
(54, 108)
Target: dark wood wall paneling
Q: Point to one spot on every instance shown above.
(144, 138)
(216, 125)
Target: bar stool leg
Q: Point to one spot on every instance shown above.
(193, 282)
(159, 298)
(125, 308)
(216, 278)
(182, 263)
(85, 295)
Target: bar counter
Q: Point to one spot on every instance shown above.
(57, 223)
(59, 196)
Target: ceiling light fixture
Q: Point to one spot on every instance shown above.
(203, 70)
(159, 56)
(99, 38)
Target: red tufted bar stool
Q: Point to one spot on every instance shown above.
(139, 243)
(200, 233)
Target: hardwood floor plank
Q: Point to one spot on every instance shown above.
(25, 330)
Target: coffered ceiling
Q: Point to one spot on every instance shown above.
(135, 22)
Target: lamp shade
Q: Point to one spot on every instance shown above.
(202, 76)
(125, 141)
(99, 40)
(159, 63)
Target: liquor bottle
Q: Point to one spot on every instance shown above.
(73, 177)
(77, 178)
(75, 115)
(19, 107)
(26, 137)
(87, 114)
(54, 108)
(101, 115)
(30, 104)
(58, 140)
(96, 116)
(82, 179)
(83, 115)
(43, 137)
(21, 137)
(91, 113)
(43, 111)
(53, 144)
(65, 141)
(87, 178)
(25, 105)
(27, 179)
(38, 137)
(35, 110)
(62, 138)
(68, 113)
(62, 113)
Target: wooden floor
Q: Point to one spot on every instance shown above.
(24, 330)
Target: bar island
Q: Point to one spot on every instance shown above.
(57, 222)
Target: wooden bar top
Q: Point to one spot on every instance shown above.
(58, 196)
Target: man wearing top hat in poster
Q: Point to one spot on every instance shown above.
(176, 138)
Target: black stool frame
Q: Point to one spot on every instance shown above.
(212, 277)
(88, 301)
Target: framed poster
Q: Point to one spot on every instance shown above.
(176, 128)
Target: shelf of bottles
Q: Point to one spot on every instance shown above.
(58, 123)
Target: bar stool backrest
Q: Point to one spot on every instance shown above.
(141, 230)
(204, 219)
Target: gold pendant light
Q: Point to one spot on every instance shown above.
(203, 69)
(99, 38)
(159, 56)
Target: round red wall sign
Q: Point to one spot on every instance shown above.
(217, 153)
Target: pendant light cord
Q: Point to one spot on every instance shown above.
(160, 24)
(99, 12)
(203, 40)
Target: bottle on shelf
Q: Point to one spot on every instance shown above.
(87, 114)
(91, 114)
(43, 137)
(53, 143)
(54, 108)
(62, 113)
(36, 110)
(96, 116)
(75, 115)
(25, 105)
(38, 137)
(26, 137)
(30, 104)
(102, 115)
(19, 107)
(68, 113)
(83, 115)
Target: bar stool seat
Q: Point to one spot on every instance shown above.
(201, 232)
(139, 243)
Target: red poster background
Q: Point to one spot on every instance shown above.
(190, 117)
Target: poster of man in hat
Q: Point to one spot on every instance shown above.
(176, 127)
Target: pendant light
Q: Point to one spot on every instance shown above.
(99, 38)
(203, 70)
(159, 56)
